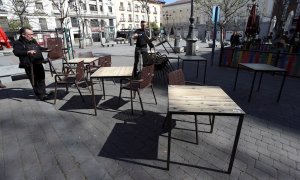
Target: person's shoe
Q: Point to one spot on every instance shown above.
(2, 85)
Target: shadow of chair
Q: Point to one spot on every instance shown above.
(138, 85)
(69, 79)
(177, 78)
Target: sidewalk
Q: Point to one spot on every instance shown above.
(39, 140)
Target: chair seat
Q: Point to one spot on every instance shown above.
(135, 85)
(67, 80)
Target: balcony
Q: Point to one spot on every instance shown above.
(122, 20)
(121, 8)
(137, 20)
(130, 20)
(129, 9)
(155, 12)
(136, 10)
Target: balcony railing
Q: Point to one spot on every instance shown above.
(155, 12)
(122, 20)
(121, 8)
(137, 20)
(129, 9)
(130, 20)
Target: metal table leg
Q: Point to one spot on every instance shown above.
(236, 76)
(204, 72)
(235, 144)
(131, 95)
(252, 85)
(93, 95)
(169, 141)
(260, 79)
(281, 87)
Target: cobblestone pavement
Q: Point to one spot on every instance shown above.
(39, 140)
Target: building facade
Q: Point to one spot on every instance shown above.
(177, 15)
(129, 13)
(91, 20)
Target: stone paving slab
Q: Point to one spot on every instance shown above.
(39, 140)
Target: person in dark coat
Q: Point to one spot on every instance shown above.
(142, 40)
(235, 39)
(31, 59)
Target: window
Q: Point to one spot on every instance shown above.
(136, 8)
(101, 8)
(155, 11)
(83, 6)
(57, 22)
(130, 26)
(122, 18)
(121, 7)
(129, 6)
(74, 22)
(136, 18)
(143, 17)
(94, 23)
(39, 5)
(129, 18)
(93, 7)
(43, 23)
(110, 9)
(111, 22)
(1, 3)
(155, 19)
(123, 26)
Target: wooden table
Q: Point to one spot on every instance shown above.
(260, 68)
(193, 58)
(85, 60)
(112, 72)
(203, 100)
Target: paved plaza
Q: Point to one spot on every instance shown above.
(39, 140)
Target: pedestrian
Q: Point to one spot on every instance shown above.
(31, 59)
(235, 39)
(142, 40)
(2, 85)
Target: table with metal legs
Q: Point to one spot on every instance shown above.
(198, 59)
(260, 68)
(203, 100)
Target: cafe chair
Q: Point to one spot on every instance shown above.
(145, 81)
(177, 78)
(69, 79)
(162, 66)
(56, 53)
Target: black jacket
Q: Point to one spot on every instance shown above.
(143, 39)
(22, 46)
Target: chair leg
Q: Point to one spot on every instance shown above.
(196, 127)
(67, 89)
(103, 88)
(79, 91)
(87, 85)
(138, 91)
(55, 92)
(153, 94)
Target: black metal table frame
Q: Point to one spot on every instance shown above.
(93, 94)
(236, 139)
(260, 80)
(202, 60)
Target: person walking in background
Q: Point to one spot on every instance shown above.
(142, 40)
(235, 39)
(31, 59)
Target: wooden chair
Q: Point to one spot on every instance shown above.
(177, 78)
(56, 53)
(68, 79)
(162, 66)
(138, 85)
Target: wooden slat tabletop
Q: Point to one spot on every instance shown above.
(121, 71)
(201, 100)
(262, 67)
(85, 60)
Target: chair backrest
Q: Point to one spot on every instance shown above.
(56, 45)
(147, 76)
(85, 54)
(105, 61)
(80, 71)
(176, 77)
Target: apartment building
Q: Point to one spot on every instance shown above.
(129, 13)
(93, 19)
(177, 14)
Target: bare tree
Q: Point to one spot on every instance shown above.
(19, 8)
(229, 10)
(63, 8)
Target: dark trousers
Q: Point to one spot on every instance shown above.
(39, 86)
(137, 53)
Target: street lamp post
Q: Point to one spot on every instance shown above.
(191, 39)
